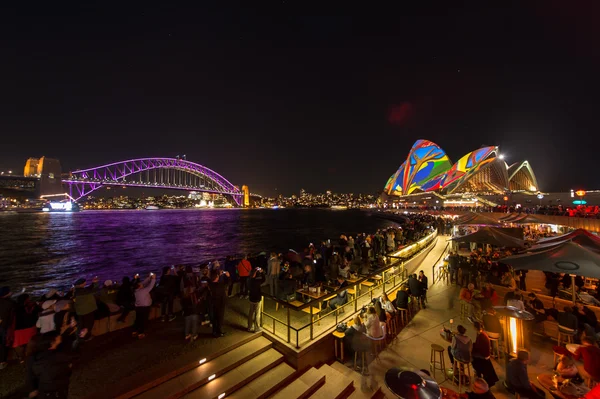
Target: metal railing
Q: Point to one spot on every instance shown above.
(292, 321)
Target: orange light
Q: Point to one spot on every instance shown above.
(505, 198)
(513, 334)
(580, 193)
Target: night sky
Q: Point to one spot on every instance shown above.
(284, 97)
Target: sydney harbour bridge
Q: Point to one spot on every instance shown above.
(43, 177)
(164, 173)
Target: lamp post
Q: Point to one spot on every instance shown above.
(515, 330)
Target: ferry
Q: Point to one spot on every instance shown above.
(67, 206)
(152, 208)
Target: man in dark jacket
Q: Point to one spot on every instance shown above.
(49, 366)
(168, 287)
(423, 280)
(257, 278)
(402, 298)
(415, 288)
(7, 314)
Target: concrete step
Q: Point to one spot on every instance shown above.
(358, 382)
(181, 384)
(265, 384)
(302, 387)
(237, 377)
(337, 386)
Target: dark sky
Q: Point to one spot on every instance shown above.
(288, 97)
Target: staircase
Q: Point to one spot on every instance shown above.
(254, 370)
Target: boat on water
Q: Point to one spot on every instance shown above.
(152, 208)
(339, 207)
(61, 206)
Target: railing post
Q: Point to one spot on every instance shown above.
(311, 323)
(288, 326)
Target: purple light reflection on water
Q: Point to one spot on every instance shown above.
(38, 251)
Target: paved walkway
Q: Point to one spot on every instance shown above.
(413, 345)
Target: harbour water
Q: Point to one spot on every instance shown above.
(38, 250)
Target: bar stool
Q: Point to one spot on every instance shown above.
(363, 356)
(403, 314)
(494, 344)
(437, 364)
(392, 327)
(459, 367)
(565, 335)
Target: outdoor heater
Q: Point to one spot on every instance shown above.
(515, 329)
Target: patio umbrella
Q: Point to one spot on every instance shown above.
(580, 236)
(568, 257)
(492, 236)
(411, 384)
(575, 235)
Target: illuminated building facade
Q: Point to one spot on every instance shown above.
(246, 192)
(482, 171)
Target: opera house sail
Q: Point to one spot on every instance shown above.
(428, 168)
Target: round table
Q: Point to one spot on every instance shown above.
(569, 392)
(410, 383)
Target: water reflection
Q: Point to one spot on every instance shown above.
(42, 250)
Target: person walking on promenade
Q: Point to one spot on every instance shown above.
(49, 365)
(273, 269)
(143, 303)
(7, 315)
(243, 269)
(256, 280)
(85, 305)
(218, 287)
(168, 288)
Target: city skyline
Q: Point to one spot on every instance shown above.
(278, 98)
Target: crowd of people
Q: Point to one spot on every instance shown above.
(48, 332)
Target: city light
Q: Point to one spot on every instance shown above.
(501, 156)
(202, 361)
(212, 377)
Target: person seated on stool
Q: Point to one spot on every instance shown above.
(342, 297)
(461, 347)
(481, 390)
(481, 357)
(590, 354)
(402, 297)
(566, 367)
(517, 379)
(373, 324)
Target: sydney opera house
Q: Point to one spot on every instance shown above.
(428, 169)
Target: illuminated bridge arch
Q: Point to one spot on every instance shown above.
(167, 173)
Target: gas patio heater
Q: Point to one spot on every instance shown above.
(515, 329)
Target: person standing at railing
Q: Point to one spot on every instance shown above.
(243, 269)
(257, 278)
(273, 269)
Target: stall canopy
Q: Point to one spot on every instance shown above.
(478, 219)
(579, 236)
(492, 236)
(525, 218)
(567, 257)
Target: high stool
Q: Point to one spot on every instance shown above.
(459, 367)
(464, 310)
(565, 335)
(403, 314)
(437, 364)
(392, 327)
(494, 344)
